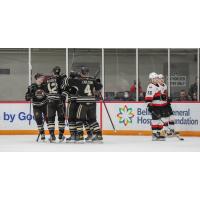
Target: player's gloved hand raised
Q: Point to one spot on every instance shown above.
(63, 76)
(150, 107)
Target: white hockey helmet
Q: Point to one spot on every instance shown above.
(153, 75)
(160, 76)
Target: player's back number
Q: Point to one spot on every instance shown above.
(52, 87)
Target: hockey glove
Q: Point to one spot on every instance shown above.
(63, 76)
(150, 107)
(73, 90)
(163, 97)
(169, 99)
(98, 85)
(28, 97)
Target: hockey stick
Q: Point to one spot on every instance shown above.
(177, 135)
(30, 83)
(30, 105)
(38, 137)
(96, 74)
(113, 126)
(30, 80)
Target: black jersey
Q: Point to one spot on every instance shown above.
(37, 93)
(54, 87)
(81, 89)
(69, 88)
(86, 89)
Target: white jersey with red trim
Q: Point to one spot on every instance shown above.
(163, 88)
(154, 95)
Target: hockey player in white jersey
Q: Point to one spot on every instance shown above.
(155, 104)
(164, 109)
(167, 116)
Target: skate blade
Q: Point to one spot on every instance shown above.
(88, 141)
(170, 136)
(70, 142)
(80, 142)
(52, 141)
(97, 142)
(158, 139)
(42, 141)
(61, 140)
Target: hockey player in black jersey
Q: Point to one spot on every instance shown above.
(55, 103)
(69, 87)
(87, 105)
(37, 93)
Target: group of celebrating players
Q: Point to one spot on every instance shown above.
(159, 105)
(48, 96)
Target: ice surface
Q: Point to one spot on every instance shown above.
(111, 144)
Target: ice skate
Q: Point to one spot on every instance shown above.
(52, 138)
(158, 137)
(97, 139)
(42, 137)
(71, 139)
(170, 133)
(61, 137)
(88, 138)
(79, 139)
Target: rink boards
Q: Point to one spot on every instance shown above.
(129, 118)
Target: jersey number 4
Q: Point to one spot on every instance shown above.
(88, 90)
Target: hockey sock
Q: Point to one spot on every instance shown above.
(171, 122)
(51, 127)
(165, 124)
(61, 127)
(79, 127)
(95, 127)
(72, 127)
(87, 128)
(40, 128)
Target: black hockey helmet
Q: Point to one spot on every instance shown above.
(38, 75)
(73, 74)
(56, 70)
(98, 80)
(85, 70)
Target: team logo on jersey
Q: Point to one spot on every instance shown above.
(40, 94)
(125, 115)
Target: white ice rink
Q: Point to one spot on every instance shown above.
(111, 144)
